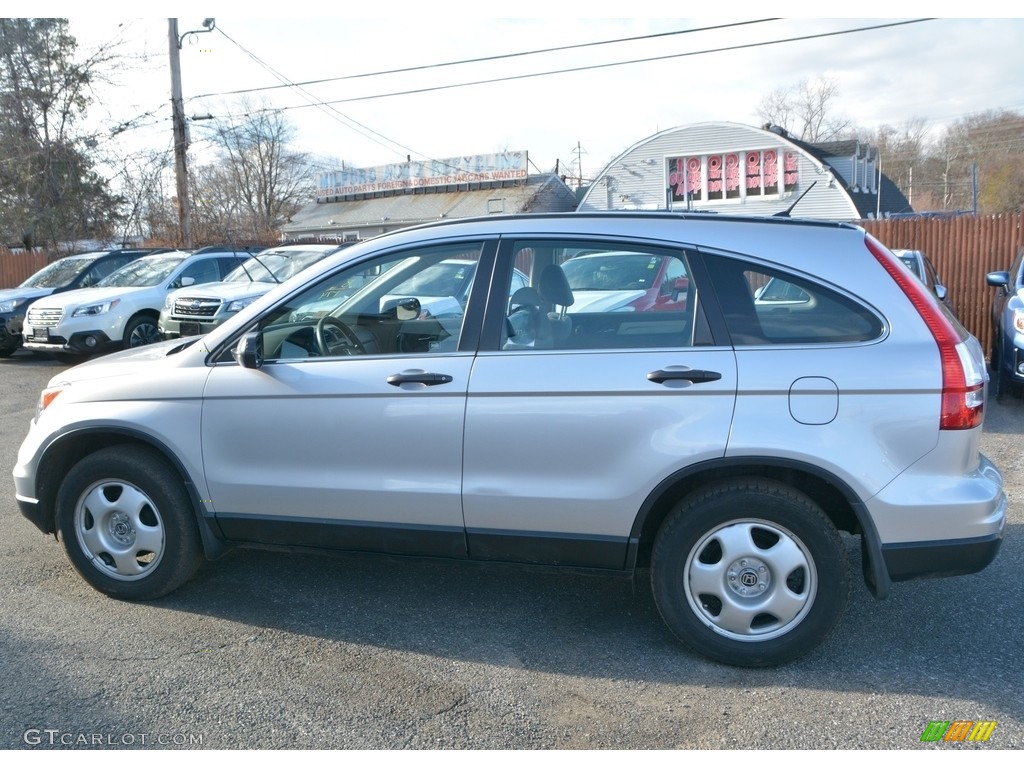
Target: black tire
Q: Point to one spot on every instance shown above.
(749, 572)
(127, 524)
(141, 330)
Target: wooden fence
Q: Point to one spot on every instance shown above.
(964, 249)
(17, 267)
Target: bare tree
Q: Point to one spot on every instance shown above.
(979, 162)
(260, 180)
(806, 110)
(146, 213)
(902, 152)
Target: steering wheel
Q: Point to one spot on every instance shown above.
(352, 344)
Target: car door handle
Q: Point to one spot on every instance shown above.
(420, 377)
(676, 373)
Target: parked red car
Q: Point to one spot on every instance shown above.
(612, 281)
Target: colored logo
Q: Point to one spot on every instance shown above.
(958, 730)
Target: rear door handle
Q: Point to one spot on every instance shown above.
(420, 377)
(681, 372)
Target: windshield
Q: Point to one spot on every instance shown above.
(273, 266)
(448, 278)
(612, 271)
(144, 272)
(60, 273)
(912, 264)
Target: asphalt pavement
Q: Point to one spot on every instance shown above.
(266, 650)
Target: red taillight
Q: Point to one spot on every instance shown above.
(963, 401)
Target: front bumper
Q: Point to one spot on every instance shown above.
(175, 327)
(10, 330)
(79, 343)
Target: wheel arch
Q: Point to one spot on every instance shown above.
(64, 452)
(835, 497)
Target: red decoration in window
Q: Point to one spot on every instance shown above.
(732, 175)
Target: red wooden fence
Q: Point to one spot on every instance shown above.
(15, 268)
(963, 249)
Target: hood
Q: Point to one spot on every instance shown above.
(7, 294)
(603, 301)
(225, 291)
(141, 360)
(83, 296)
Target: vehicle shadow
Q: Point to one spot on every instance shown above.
(960, 636)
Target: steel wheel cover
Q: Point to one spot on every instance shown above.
(750, 580)
(119, 529)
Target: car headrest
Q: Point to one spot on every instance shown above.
(526, 296)
(554, 286)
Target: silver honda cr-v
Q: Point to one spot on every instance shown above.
(451, 391)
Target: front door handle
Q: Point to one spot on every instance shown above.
(676, 373)
(419, 377)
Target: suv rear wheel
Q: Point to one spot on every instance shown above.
(749, 572)
(127, 524)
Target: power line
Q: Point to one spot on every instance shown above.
(330, 111)
(607, 65)
(496, 57)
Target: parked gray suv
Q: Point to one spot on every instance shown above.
(723, 445)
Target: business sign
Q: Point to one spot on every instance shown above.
(501, 166)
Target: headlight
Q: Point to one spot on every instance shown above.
(1018, 320)
(240, 304)
(96, 309)
(168, 303)
(11, 304)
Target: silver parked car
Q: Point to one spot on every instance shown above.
(925, 271)
(723, 443)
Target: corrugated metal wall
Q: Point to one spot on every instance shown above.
(963, 249)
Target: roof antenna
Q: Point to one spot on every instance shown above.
(785, 214)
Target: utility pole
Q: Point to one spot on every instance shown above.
(180, 128)
(180, 137)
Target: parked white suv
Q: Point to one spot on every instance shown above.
(121, 310)
(723, 444)
(194, 311)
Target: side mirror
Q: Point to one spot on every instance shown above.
(406, 308)
(998, 279)
(187, 281)
(940, 291)
(248, 353)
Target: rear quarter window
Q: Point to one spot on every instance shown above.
(766, 306)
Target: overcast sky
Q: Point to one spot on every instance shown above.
(938, 70)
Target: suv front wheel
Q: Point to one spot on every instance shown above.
(141, 330)
(127, 524)
(749, 572)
